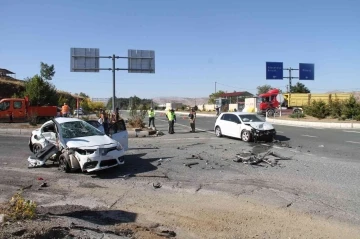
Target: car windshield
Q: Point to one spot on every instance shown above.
(250, 118)
(77, 129)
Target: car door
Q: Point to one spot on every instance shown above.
(18, 110)
(48, 132)
(225, 124)
(119, 133)
(235, 125)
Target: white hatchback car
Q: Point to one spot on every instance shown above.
(80, 145)
(245, 126)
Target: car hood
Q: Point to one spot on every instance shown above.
(90, 142)
(260, 125)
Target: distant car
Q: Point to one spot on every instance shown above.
(81, 112)
(245, 126)
(81, 145)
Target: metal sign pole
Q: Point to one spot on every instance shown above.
(88, 60)
(113, 70)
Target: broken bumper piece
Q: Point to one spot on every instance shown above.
(34, 162)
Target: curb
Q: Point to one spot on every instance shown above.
(315, 124)
(16, 131)
(138, 134)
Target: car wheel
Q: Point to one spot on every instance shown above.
(246, 136)
(270, 113)
(218, 131)
(36, 148)
(64, 164)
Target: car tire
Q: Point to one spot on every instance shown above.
(218, 131)
(246, 136)
(270, 113)
(64, 163)
(36, 148)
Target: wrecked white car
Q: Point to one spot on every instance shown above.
(245, 126)
(76, 144)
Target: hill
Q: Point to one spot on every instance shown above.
(10, 86)
(185, 101)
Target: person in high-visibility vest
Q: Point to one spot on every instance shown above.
(170, 115)
(151, 114)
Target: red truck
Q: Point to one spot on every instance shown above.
(268, 102)
(20, 110)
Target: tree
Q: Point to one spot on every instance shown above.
(299, 88)
(81, 94)
(214, 96)
(40, 92)
(263, 89)
(47, 72)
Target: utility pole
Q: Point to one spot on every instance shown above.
(215, 87)
(290, 77)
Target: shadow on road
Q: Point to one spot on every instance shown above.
(99, 217)
(134, 164)
(281, 138)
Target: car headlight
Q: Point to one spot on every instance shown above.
(119, 146)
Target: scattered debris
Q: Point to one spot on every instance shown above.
(157, 185)
(321, 146)
(289, 204)
(159, 133)
(190, 164)
(43, 185)
(167, 233)
(282, 144)
(40, 179)
(2, 218)
(196, 157)
(26, 187)
(268, 157)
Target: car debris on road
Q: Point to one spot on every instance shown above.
(269, 157)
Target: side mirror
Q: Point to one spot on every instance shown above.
(36, 137)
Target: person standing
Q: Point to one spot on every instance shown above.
(192, 117)
(170, 115)
(105, 122)
(151, 114)
(65, 110)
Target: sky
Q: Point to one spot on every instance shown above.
(196, 43)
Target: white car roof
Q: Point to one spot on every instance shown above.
(239, 113)
(61, 120)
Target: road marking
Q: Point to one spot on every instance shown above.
(351, 131)
(277, 147)
(280, 132)
(266, 145)
(353, 142)
(295, 151)
(311, 136)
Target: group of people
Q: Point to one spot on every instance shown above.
(171, 117)
(105, 119)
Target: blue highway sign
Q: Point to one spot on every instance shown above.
(274, 71)
(306, 71)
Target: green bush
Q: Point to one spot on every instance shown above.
(318, 109)
(297, 115)
(336, 108)
(351, 108)
(357, 118)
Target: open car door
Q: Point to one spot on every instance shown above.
(118, 132)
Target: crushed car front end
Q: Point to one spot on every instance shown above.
(92, 159)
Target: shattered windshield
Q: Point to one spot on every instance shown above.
(250, 118)
(76, 129)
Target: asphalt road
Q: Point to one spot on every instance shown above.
(329, 143)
